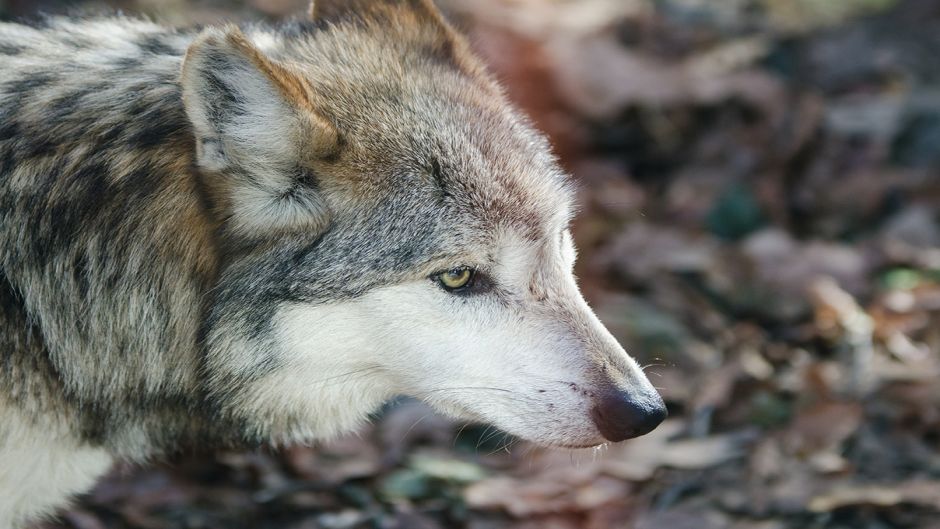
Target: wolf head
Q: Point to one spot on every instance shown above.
(391, 226)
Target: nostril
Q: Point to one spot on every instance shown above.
(620, 416)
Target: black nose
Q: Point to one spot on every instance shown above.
(620, 415)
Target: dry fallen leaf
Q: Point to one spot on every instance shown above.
(535, 496)
(823, 427)
(924, 493)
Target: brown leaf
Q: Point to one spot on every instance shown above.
(824, 426)
(682, 519)
(924, 493)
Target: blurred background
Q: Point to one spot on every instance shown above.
(760, 226)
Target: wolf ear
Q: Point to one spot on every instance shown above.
(337, 9)
(257, 128)
(420, 19)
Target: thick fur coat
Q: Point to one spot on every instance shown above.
(240, 236)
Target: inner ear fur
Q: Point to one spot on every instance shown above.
(257, 130)
(320, 133)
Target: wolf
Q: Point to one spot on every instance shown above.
(246, 235)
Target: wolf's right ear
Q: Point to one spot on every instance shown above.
(332, 9)
(257, 127)
(420, 19)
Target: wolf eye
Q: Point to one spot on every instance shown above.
(456, 279)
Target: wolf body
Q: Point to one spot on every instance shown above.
(259, 235)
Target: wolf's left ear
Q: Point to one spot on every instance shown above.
(257, 130)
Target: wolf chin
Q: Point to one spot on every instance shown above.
(259, 235)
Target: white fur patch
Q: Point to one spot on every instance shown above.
(527, 366)
(329, 382)
(41, 466)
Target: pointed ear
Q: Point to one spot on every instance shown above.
(425, 10)
(419, 19)
(257, 128)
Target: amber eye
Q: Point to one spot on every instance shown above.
(456, 278)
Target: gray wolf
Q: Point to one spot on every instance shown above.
(253, 235)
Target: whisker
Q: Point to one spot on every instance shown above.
(654, 364)
(412, 427)
(492, 435)
(507, 441)
(480, 440)
(470, 388)
(343, 376)
(457, 435)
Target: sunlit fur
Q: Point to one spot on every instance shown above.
(230, 238)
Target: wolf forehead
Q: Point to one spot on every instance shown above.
(419, 116)
(431, 168)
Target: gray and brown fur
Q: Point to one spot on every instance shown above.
(148, 233)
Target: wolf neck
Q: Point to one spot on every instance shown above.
(109, 248)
